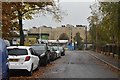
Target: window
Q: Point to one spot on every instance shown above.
(38, 47)
(17, 51)
(32, 52)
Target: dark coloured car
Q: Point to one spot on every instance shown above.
(43, 53)
(4, 69)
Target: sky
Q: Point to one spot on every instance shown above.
(77, 13)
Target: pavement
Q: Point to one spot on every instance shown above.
(115, 63)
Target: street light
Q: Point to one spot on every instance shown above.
(96, 34)
(86, 36)
(40, 34)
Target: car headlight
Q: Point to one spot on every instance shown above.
(43, 54)
(57, 51)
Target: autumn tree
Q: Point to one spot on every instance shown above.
(24, 10)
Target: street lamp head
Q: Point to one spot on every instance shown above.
(95, 23)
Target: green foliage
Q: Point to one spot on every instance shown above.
(107, 25)
(63, 36)
(110, 20)
(78, 39)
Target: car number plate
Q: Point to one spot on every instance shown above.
(13, 60)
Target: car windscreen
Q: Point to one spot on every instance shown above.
(60, 48)
(17, 52)
(55, 48)
(40, 47)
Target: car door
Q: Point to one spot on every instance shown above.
(48, 52)
(34, 58)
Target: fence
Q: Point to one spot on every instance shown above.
(110, 50)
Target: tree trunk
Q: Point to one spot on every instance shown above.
(21, 29)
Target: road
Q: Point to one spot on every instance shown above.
(75, 64)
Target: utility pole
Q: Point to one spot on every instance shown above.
(96, 39)
(39, 34)
(86, 36)
(96, 36)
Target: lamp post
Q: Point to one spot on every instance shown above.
(40, 35)
(86, 36)
(96, 35)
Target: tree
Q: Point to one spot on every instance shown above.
(24, 10)
(7, 24)
(110, 19)
(63, 36)
(108, 23)
(78, 39)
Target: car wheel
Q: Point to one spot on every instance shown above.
(31, 71)
(60, 55)
(56, 55)
(38, 65)
(49, 61)
(45, 62)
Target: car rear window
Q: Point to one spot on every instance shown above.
(38, 47)
(17, 52)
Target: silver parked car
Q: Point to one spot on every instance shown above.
(57, 50)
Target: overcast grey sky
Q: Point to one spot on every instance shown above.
(77, 11)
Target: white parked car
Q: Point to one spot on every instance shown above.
(23, 58)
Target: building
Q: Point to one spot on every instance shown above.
(54, 33)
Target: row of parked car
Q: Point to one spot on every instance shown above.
(30, 58)
(26, 58)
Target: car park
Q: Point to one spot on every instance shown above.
(44, 54)
(4, 69)
(23, 58)
(62, 50)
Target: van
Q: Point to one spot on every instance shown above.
(4, 69)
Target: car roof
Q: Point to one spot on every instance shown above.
(39, 45)
(21, 47)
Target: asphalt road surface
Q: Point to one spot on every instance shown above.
(75, 64)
